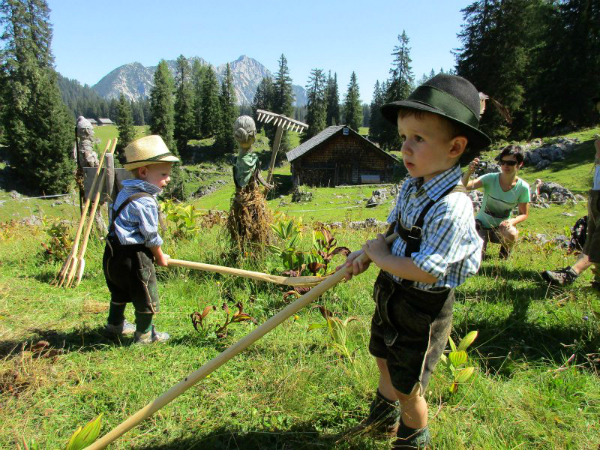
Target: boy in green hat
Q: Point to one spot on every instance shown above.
(133, 244)
(438, 249)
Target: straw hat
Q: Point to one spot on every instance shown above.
(449, 96)
(147, 150)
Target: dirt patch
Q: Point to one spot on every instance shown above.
(94, 307)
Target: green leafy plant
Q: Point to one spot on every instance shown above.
(337, 330)
(85, 436)
(59, 232)
(457, 359)
(184, 217)
(200, 324)
(324, 249)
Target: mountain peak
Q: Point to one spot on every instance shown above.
(135, 81)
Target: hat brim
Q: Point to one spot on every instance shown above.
(477, 139)
(138, 164)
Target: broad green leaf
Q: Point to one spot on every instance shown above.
(453, 387)
(452, 344)
(464, 374)
(467, 340)
(86, 436)
(458, 358)
(316, 326)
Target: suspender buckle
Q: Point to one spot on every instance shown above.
(415, 232)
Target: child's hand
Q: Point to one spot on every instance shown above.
(354, 265)
(162, 260)
(376, 249)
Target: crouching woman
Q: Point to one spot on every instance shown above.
(501, 193)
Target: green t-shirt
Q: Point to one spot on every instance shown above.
(497, 204)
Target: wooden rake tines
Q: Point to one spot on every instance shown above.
(76, 272)
(61, 277)
(222, 358)
(282, 123)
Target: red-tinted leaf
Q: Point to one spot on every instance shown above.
(206, 311)
(226, 308)
(314, 267)
(344, 251)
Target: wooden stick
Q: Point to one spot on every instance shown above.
(289, 281)
(221, 359)
(79, 264)
(60, 278)
(276, 143)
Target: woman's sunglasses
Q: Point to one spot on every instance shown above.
(504, 162)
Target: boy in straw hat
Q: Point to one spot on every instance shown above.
(437, 250)
(133, 242)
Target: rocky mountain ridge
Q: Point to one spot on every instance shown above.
(135, 80)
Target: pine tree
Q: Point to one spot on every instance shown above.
(229, 113)
(376, 122)
(211, 110)
(113, 109)
(283, 100)
(184, 104)
(263, 99)
(38, 130)
(198, 72)
(333, 101)
(124, 125)
(316, 113)
(399, 87)
(161, 105)
(352, 106)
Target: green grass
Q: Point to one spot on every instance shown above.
(290, 389)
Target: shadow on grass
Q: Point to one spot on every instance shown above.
(302, 436)
(75, 341)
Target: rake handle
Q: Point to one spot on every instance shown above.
(225, 356)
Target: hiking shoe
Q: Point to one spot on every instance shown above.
(561, 277)
(125, 329)
(150, 337)
(412, 439)
(383, 418)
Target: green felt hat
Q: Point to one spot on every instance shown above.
(449, 96)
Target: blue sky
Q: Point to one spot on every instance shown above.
(93, 38)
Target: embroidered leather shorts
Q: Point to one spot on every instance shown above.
(130, 276)
(410, 329)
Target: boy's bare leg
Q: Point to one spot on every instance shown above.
(414, 406)
(582, 264)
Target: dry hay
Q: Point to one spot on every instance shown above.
(249, 217)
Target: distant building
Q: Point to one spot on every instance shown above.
(339, 155)
(94, 122)
(102, 121)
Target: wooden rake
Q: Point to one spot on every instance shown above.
(76, 273)
(282, 123)
(221, 359)
(61, 277)
(288, 281)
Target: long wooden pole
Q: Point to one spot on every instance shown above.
(80, 261)
(289, 281)
(60, 278)
(276, 143)
(221, 359)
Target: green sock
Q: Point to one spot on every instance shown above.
(143, 322)
(116, 314)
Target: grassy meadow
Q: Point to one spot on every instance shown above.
(536, 383)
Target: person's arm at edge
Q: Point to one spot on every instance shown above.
(473, 184)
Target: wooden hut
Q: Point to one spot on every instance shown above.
(339, 155)
(104, 121)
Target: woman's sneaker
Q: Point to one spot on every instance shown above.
(125, 329)
(150, 337)
(560, 277)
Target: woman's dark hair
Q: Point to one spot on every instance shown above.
(512, 150)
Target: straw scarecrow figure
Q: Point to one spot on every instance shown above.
(249, 218)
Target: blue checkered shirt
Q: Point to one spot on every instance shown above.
(138, 222)
(450, 246)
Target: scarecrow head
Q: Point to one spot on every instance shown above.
(244, 132)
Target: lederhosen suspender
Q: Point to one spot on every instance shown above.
(127, 201)
(414, 235)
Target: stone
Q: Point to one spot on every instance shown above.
(543, 164)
